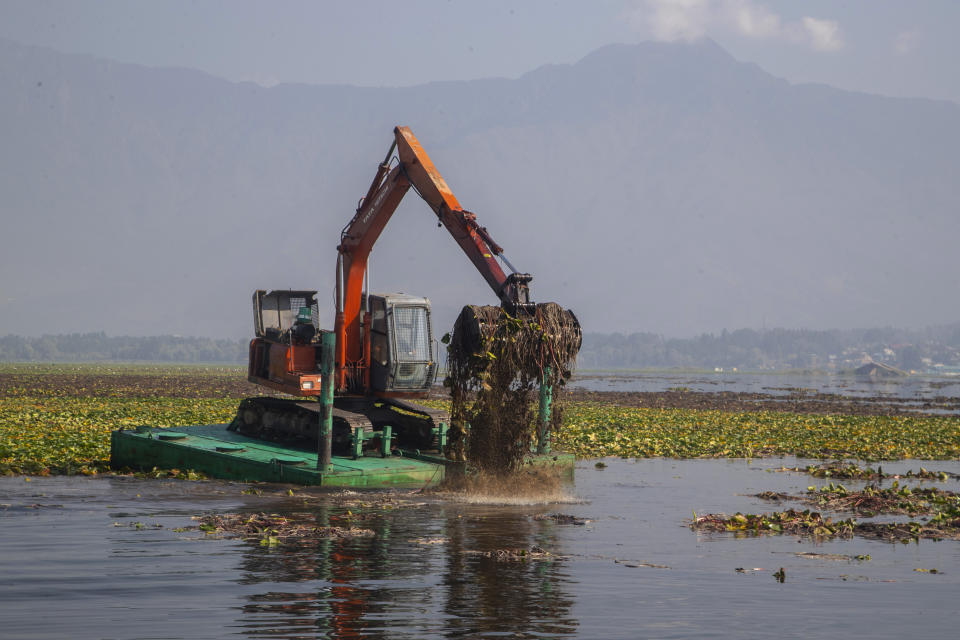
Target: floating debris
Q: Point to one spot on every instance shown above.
(835, 557)
(273, 528)
(382, 500)
(139, 525)
(937, 528)
(774, 496)
(803, 523)
(637, 565)
(873, 499)
(561, 518)
(851, 471)
(174, 474)
(429, 541)
(945, 525)
(535, 552)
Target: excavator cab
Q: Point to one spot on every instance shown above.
(402, 354)
(285, 355)
(285, 315)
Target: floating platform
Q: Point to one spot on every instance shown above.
(219, 453)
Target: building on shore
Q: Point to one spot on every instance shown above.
(879, 370)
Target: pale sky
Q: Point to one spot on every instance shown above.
(890, 47)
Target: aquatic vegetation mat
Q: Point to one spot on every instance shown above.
(874, 499)
(71, 434)
(130, 381)
(58, 419)
(497, 363)
(592, 429)
(796, 401)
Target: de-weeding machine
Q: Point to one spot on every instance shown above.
(352, 419)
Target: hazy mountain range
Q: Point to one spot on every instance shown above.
(662, 188)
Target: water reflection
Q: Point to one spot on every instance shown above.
(490, 596)
(403, 583)
(75, 565)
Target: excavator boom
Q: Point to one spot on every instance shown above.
(390, 184)
(462, 225)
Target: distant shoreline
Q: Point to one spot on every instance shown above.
(800, 403)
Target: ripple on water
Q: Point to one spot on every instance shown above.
(443, 566)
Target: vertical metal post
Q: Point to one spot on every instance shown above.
(546, 411)
(325, 438)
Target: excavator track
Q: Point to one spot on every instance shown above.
(422, 424)
(414, 425)
(295, 421)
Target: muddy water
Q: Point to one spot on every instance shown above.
(74, 562)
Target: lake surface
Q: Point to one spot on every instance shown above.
(75, 563)
(914, 387)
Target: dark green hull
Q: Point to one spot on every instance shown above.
(219, 453)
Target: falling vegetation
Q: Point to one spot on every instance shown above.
(497, 363)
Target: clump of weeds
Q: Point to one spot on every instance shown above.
(873, 499)
(851, 471)
(802, 523)
(273, 529)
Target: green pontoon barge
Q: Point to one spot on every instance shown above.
(367, 458)
(220, 453)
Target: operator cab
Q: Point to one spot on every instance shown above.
(286, 316)
(401, 343)
(285, 354)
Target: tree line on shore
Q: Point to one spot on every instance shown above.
(99, 347)
(743, 348)
(777, 349)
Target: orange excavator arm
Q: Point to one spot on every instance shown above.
(357, 239)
